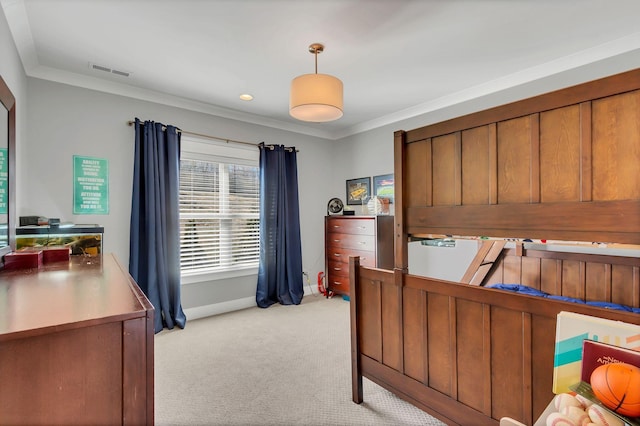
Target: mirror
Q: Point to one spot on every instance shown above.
(7, 169)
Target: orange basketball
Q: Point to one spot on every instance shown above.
(617, 386)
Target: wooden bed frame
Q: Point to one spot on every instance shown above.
(560, 166)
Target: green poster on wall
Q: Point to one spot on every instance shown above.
(4, 181)
(90, 185)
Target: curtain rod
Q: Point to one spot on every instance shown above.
(131, 123)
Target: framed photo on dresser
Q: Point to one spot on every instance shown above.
(383, 186)
(358, 191)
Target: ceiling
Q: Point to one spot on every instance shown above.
(396, 58)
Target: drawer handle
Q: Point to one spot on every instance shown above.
(362, 227)
(362, 242)
(336, 226)
(337, 283)
(337, 255)
(336, 241)
(337, 269)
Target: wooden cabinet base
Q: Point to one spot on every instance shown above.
(76, 346)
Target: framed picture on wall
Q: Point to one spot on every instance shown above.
(358, 191)
(383, 186)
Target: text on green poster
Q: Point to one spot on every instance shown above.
(90, 185)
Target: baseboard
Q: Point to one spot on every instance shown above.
(219, 308)
(229, 306)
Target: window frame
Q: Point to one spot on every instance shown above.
(193, 148)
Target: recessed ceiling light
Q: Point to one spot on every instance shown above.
(246, 97)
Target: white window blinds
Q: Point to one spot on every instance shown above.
(219, 214)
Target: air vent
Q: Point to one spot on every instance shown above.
(122, 73)
(100, 68)
(109, 70)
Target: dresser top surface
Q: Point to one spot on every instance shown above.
(63, 295)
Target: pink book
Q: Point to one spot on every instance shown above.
(595, 354)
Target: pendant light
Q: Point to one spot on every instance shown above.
(316, 97)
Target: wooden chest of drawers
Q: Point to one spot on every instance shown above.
(370, 237)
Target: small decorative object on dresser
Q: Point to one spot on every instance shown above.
(334, 206)
(370, 237)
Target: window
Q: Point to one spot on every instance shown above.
(219, 208)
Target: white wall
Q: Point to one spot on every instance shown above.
(56, 121)
(66, 121)
(445, 263)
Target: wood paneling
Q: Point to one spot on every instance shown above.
(438, 322)
(624, 285)
(560, 154)
(598, 286)
(586, 154)
(572, 276)
(530, 272)
(418, 159)
(446, 170)
(470, 354)
(414, 312)
(506, 365)
(616, 147)
(514, 161)
(476, 171)
(511, 270)
(392, 325)
(370, 322)
(551, 276)
(541, 362)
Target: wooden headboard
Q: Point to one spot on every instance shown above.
(561, 166)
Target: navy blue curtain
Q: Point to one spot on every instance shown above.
(154, 247)
(280, 270)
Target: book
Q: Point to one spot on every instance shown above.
(571, 330)
(595, 354)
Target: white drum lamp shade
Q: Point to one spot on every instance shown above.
(316, 97)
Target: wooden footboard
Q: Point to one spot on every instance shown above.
(559, 166)
(467, 355)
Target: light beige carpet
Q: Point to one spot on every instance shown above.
(284, 365)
